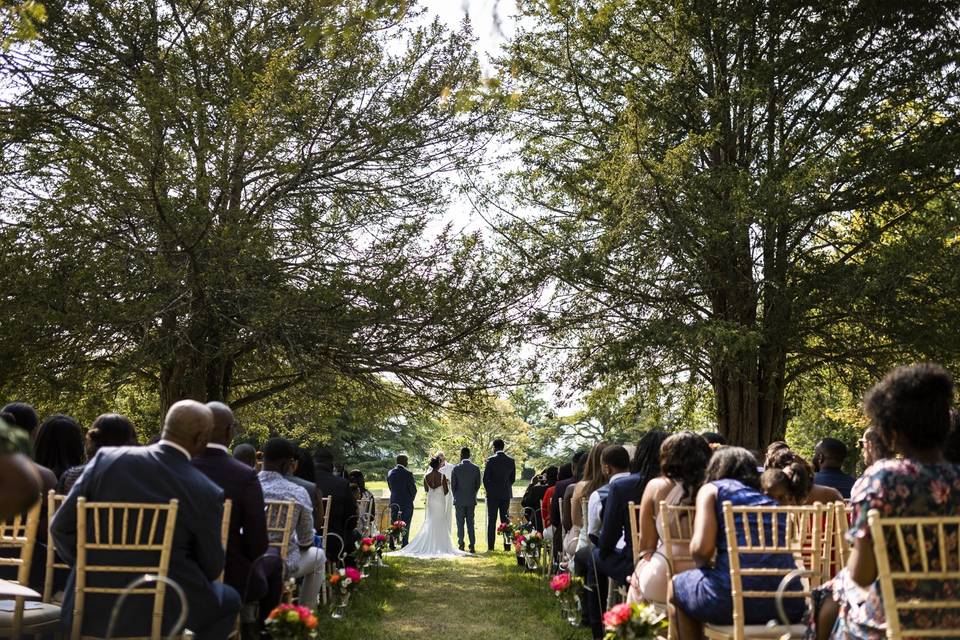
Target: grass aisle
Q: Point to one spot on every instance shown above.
(470, 599)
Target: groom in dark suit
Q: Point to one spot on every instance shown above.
(403, 489)
(499, 474)
(465, 483)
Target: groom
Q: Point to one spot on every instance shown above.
(403, 489)
(464, 485)
(499, 474)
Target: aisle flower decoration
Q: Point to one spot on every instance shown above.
(292, 622)
(366, 552)
(379, 542)
(397, 527)
(633, 622)
(343, 582)
(567, 588)
(529, 545)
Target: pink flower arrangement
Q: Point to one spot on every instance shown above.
(560, 582)
(346, 579)
(292, 622)
(633, 622)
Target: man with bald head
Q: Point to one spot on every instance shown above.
(256, 581)
(157, 474)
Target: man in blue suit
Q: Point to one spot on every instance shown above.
(157, 474)
(403, 489)
(464, 485)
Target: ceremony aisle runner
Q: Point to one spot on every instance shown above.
(470, 599)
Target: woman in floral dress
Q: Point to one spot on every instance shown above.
(911, 410)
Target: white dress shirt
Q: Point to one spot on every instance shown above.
(595, 505)
(170, 443)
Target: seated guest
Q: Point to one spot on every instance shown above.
(343, 507)
(247, 454)
(551, 507)
(593, 479)
(874, 448)
(19, 481)
(108, 430)
(910, 408)
(683, 461)
(702, 595)
(58, 444)
(789, 486)
(559, 510)
(551, 475)
(828, 457)
(22, 415)
(715, 440)
(157, 474)
(304, 560)
(532, 500)
(772, 450)
(951, 447)
(616, 465)
(368, 519)
(304, 474)
(256, 581)
(784, 458)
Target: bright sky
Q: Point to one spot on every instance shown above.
(492, 20)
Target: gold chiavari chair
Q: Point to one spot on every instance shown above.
(783, 538)
(20, 533)
(120, 528)
(225, 529)
(633, 517)
(841, 525)
(54, 500)
(917, 550)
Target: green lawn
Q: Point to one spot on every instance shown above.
(470, 599)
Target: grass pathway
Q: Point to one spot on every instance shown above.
(469, 599)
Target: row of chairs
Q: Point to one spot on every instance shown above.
(816, 537)
(118, 528)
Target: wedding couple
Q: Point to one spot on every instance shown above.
(448, 488)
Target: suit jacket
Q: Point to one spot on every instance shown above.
(618, 563)
(247, 539)
(403, 486)
(152, 474)
(315, 498)
(343, 508)
(465, 483)
(499, 474)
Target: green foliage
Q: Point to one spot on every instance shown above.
(476, 421)
(19, 20)
(739, 193)
(203, 206)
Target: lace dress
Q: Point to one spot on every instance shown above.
(433, 541)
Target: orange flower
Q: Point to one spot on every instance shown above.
(311, 622)
(335, 578)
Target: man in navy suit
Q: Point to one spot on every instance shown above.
(499, 474)
(343, 505)
(403, 489)
(464, 485)
(255, 580)
(157, 474)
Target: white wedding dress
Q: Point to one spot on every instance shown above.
(433, 541)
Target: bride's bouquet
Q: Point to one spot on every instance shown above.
(633, 622)
(290, 622)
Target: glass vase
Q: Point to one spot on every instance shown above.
(340, 606)
(532, 561)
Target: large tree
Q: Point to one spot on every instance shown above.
(718, 182)
(228, 198)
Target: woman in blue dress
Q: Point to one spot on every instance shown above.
(702, 595)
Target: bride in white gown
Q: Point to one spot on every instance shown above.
(433, 540)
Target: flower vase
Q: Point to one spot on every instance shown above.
(532, 561)
(340, 608)
(363, 569)
(379, 561)
(570, 610)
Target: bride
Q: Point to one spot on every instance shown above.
(433, 540)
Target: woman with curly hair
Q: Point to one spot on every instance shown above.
(683, 461)
(804, 491)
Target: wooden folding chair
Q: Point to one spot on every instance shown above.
(225, 530)
(20, 533)
(816, 545)
(364, 520)
(841, 525)
(119, 528)
(677, 532)
(936, 561)
(331, 564)
(783, 538)
(633, 517)
(54, 500)
(279, 529)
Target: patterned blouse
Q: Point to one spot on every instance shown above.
(897, 488)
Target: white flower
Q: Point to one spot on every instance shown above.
(347, 582)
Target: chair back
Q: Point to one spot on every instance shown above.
(20, 532)
(918, 551)
(364, 519)
(225, 529)
(327, 503)
(788, 533)
(120, 528)
(633, 517)
(816, 543)
(841, 525)
(54, 500)
(677, 527)
(280, 525)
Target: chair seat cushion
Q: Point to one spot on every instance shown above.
(35, 614)
(756, 631)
